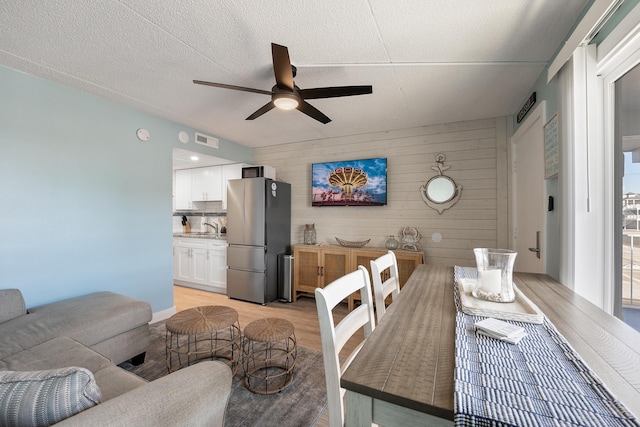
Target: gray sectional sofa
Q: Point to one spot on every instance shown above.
(92, 334)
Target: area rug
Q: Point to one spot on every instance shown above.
(300, 404)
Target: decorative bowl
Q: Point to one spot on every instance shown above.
(350, 244)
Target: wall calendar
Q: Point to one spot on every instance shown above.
(551, 149)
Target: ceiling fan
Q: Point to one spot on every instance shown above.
(286, 95)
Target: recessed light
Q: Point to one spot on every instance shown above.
(195, 158)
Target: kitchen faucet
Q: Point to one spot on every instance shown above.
(215, 227)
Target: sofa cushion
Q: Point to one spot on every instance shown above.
(63, 352)
(43, 398)
(59, 352)
(89, 319)
(11, 304)
(125, 346)
(115, 381)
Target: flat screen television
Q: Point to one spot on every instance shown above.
(349, 183)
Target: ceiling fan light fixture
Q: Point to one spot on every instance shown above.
(285, 95)
(285, 101)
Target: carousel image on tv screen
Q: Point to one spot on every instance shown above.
(349, 183)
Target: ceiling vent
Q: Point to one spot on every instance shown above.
(209, 141)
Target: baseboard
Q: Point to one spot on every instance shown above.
(208, 288)
(163, 315)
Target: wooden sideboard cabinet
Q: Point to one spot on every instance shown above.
(317, 266)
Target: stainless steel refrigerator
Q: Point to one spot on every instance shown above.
(258, 229)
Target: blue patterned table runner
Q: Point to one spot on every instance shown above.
(541, 381)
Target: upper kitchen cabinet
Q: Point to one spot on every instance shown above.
(206, 184)
(230, 172)
(182, 193)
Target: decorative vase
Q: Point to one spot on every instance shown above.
(309, 234)
(495, 270)
(392, 243)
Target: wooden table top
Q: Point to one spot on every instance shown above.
(409, 359)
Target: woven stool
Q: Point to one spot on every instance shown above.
(269, 355)
(211, 332)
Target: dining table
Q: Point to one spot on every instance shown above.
(404, 373)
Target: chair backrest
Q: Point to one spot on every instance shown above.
(382, 289)
(335, 336)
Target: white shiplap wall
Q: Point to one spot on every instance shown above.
(476, 152)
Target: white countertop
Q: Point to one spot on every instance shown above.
(199, 235)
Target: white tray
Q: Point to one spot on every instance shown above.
(521, 310)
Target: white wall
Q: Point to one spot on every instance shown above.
(476, 152)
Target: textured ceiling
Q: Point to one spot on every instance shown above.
(429, 61)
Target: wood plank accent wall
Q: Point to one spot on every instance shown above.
(475, 150)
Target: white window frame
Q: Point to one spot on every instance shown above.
(587, 179)
(584, 188)
(617, 55)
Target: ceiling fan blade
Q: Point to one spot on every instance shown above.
(282, 66)
(245, 89)
(313, 112)
(266, 107)
(334, 92)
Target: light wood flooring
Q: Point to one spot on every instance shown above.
(302, 314)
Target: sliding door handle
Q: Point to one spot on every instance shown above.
(537, 248)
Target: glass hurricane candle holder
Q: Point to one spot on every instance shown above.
(309, 234)
(495, 272)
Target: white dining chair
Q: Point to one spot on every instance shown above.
(382, 288)
(334, 337)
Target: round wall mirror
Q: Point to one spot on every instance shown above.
(440, 192)
(441, 189)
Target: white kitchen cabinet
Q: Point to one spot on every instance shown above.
(181, 263)
(230, 172)
(206, 184)
(190, 264)
(200, 263)
(182, 196)
(217, 264)
(190, 260)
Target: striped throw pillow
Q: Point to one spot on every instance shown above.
(43, 398)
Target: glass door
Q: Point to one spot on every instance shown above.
(627, 141)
